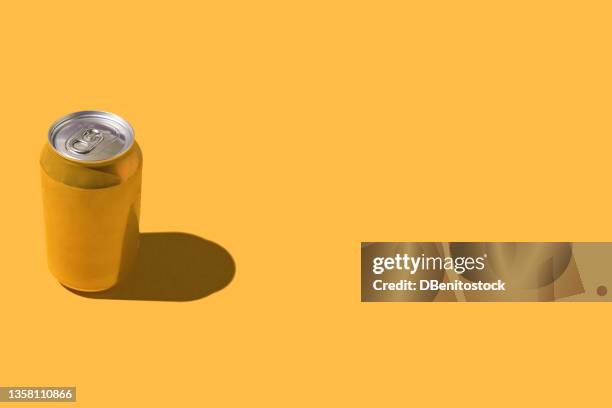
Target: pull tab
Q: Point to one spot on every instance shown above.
(84, 142)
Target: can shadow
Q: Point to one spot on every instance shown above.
(172, 266)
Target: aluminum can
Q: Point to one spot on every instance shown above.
(91, 170)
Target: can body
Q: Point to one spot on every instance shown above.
(91, 213)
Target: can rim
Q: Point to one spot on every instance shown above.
(106, 114)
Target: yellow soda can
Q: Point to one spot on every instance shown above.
(91, 170)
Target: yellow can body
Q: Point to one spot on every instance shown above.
(91, 213)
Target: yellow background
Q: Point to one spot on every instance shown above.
(288, 132)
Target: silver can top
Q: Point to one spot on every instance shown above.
(91, 136)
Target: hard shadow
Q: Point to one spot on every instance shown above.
(172, 266)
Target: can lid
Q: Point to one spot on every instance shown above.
(91, 136)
